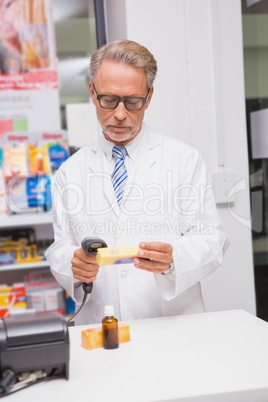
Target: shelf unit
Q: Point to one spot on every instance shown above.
(30, 265)
(42, 222)
(17, 273)
(25, 220)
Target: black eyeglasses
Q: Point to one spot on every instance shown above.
(132, 103)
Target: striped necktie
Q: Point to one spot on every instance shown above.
(119, 175)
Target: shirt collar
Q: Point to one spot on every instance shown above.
(107, 147)
(132, 147)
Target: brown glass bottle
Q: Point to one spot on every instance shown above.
(110, 329)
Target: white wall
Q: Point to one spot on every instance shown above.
(179, 34)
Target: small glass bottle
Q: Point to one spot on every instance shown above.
(110, 329)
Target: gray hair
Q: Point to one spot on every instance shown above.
(125, 51)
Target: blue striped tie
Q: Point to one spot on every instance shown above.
(119, 175)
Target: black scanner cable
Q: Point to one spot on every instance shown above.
(90, 245)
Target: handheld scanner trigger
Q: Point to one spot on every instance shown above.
(90, 245)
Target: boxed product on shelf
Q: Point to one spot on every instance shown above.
(19, 246)
(14, 252)
(15, 159)
(58, 153)
(38, 190)
(6, 258)
(58, 149)
(16, 195)
(44, 293)
(54, 299)
(43, 298)
(27, 254)
(30, 159)
(8, 252)
(12, 299)
(15, 166)
(38, 159)
(28, 194)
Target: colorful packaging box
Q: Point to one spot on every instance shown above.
(12, 299)
(116, 255)
(93, 338)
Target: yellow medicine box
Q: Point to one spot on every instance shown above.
(116, 255)
(92, 338)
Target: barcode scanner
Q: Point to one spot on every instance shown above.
(90, 245)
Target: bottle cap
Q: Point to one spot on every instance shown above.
(108, 311)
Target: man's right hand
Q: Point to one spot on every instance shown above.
(84, 266)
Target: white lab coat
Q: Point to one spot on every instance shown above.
(167, 198)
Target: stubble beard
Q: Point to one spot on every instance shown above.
(121, 138)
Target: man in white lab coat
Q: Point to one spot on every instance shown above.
(167, 205)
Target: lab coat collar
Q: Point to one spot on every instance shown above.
(148, 154)
(96, 164)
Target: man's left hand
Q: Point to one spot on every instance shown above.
(154, 257)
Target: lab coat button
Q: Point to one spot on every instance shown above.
(123, 274)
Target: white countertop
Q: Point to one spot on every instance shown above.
(211, 357)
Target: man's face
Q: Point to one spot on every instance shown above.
(120, 125)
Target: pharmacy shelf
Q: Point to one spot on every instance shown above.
(26, 220)
(30, 265)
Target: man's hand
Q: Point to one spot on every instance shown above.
(84, 266)
(158, 257)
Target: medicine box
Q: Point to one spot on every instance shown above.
(92, 338)
(116, 255)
